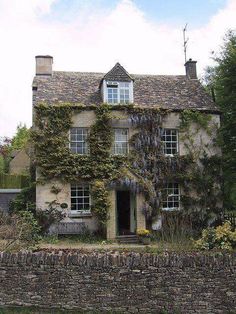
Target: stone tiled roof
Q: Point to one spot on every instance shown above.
(165, 91)
(118, 73)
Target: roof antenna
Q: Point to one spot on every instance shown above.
(185, 42)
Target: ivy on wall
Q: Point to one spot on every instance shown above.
(146, 161)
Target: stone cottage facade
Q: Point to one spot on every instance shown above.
(131, 100)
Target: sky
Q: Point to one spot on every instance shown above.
(145, 36)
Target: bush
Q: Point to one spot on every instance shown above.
(221, 237)
(18, 230)
(49, 216)
(25, 200)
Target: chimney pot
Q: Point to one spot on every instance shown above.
(191, 69)
(44, 65)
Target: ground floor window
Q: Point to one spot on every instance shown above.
(171, 197)
(80, 198)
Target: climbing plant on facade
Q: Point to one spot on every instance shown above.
(146, 169)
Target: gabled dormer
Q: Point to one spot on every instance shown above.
(117, 86)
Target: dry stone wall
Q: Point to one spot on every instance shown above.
(120, 282)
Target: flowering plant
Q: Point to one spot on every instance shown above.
(221, 237)
(143, 233)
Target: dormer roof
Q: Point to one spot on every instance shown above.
(118, 73)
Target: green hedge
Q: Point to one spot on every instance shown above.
(9, 181)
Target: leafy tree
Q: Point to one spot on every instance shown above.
(7, 145)
(221, 79)
(21, 137)
(5, 151)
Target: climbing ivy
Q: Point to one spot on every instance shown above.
(146, 169)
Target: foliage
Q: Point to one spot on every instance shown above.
(101, 202)
(222, 79)
(56, 161)
(7, 146)
(146, 169)
(21, 137)
(18, 230)
(25, 200)
(48, 216)
(177, 226)
(221, 237)
(5, 150)
(188, 117)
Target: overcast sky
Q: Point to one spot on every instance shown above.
(145, 36)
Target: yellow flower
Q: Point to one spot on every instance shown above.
(143, 232)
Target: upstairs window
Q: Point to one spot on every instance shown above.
(118, 92)
(79, 140)
(120, 142)
(112, 93)
(170, 141)
(80, 198)
(171, 197)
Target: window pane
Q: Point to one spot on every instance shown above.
(170, 141)
(171, 196)
(120, 142)
(80, 198)
(78, 140)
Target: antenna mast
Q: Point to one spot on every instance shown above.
(185, 42)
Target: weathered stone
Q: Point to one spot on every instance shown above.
(120, 282)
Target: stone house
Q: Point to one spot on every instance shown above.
(147, 116)
(20, 162)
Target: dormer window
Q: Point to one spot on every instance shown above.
(118, 92)
(117, 86)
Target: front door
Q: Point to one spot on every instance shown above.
(125, 212)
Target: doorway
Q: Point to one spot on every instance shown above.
(123, 208)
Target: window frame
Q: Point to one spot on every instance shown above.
(171, 142)
(76, 211)
(171, 194)
(118, 86)
(114, 143)
(84, 148)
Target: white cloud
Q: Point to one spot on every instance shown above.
(92, 41)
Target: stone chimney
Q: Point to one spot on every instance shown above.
(44, 65)
(191, 69)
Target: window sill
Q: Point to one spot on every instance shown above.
(172, 155)
(80, 214)
(170, 209)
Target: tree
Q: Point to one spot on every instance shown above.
(21, 137)
(221, 79)
(7, 145)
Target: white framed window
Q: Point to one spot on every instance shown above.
(119, 92)
(79, 140)
(171, 197)
(121, 142)
(170, 141)
(80, 198)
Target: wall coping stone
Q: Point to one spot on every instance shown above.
(118, 259)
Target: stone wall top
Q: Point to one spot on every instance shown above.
(118, 259)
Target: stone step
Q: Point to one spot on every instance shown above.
(127, 239)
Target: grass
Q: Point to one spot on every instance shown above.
(91, 243)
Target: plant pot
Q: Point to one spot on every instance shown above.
(145, 240)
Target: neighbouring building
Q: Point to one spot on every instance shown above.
(20, 162)
(114, 150)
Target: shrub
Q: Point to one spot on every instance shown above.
(221, 237)
(50, 216)
(18, 230)
(25, 200)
